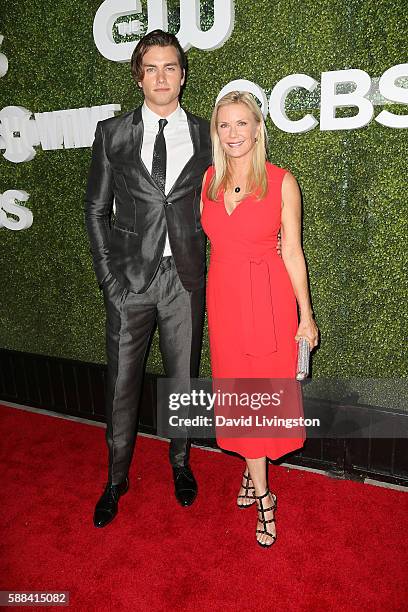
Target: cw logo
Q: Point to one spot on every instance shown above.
(189, 35)
(3, 60)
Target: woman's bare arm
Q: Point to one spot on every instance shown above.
(293, 258)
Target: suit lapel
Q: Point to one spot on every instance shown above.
(137, 128)
(194, 128)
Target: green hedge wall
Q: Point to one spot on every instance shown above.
(355, 217)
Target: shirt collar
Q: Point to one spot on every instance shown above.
(152, 119)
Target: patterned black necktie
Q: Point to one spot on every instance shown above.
(160, 157)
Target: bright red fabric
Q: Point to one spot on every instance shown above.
(252, 314)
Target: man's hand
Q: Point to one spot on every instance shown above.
(111, 288)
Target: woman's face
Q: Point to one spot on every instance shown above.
(237, 129)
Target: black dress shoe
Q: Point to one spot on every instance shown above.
(107, 507)
(185, 485)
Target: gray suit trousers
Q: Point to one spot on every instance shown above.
(130, 321)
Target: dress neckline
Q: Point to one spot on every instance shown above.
(237, 206)
(221, 195)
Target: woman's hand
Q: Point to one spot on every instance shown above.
(308, 329)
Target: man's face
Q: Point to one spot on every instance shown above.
(162, 79)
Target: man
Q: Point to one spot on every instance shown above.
(150, 258)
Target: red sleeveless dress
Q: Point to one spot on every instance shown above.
(252, 314)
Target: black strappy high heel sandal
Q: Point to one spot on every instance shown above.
(245, 485)
(262, 518)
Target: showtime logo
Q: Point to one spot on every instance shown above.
(20, 217)
(72, 128)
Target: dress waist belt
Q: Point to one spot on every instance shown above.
(257, 309)
(255, 282)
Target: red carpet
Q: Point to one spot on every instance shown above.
(341, 545)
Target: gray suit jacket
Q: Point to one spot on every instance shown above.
(130, 245)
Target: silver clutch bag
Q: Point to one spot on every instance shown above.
(302, 369)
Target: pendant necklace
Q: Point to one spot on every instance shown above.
(237, 189)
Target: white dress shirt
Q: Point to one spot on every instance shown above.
(179, 147)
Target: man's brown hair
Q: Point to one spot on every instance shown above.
(156, 38)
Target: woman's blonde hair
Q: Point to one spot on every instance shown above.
(258, 179)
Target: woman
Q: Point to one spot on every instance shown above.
(251, 291)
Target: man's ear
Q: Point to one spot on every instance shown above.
(183, 78)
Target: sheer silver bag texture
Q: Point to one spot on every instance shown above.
(303, 362)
